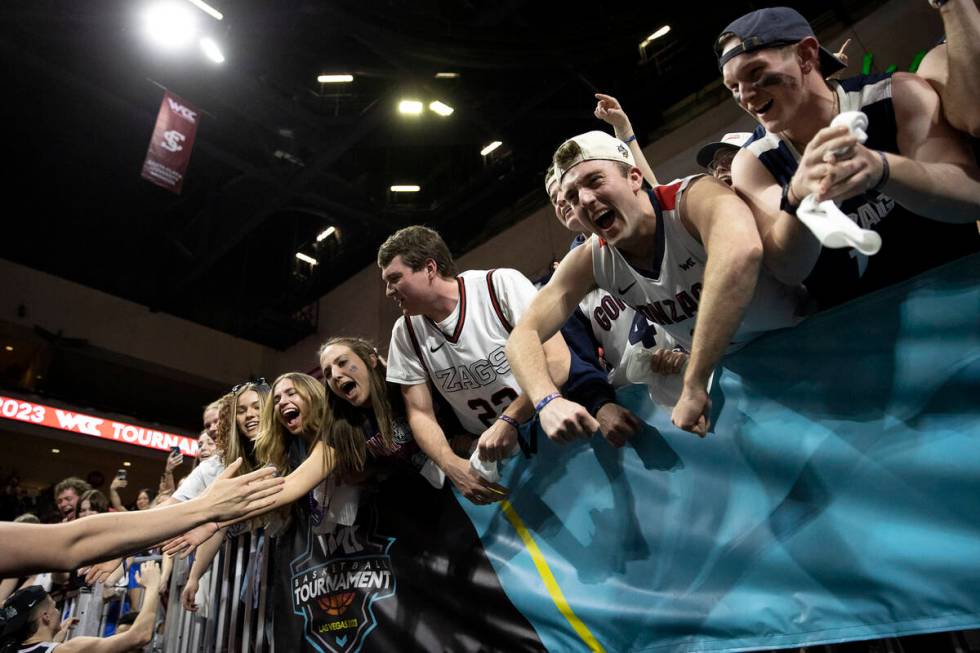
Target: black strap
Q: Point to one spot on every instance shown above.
(495, 302)
(415, 344)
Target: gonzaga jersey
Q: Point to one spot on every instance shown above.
(667, 292)
(910, 243)
(463, 356)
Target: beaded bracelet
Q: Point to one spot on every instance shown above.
(630, 139)
(510, 420)
(538, 407)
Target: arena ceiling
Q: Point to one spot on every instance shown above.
(280, 157)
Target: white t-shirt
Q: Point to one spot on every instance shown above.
(199, 479)
(463, 356)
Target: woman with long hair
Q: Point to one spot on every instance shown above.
(364, 419)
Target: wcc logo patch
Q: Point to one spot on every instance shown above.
(336, 582)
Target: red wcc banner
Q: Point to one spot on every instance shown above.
(99, 427)
(171, 143)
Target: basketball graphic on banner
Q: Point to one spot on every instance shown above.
(336, 604)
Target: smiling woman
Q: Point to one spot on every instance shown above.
(245, 407)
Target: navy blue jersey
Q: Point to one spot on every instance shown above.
(910, 243)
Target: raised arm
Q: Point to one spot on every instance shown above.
(609, 111)
(729, 235)
(141, 632)
(562, 420)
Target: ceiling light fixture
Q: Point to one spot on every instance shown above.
(56, 451)
(208, 9)
(335, 78)
(306, 259)
(441, 108)
(211, 50)
(127, 464)
(410, 107)
(447, 75)
(405, 188)
(171, 26)
(656, 35)
(326, 233)
(8, 348)
(490, 148)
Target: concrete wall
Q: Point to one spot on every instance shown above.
(127, 328)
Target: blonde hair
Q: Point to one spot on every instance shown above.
(270, 446)
(343, 425)
(231, 440)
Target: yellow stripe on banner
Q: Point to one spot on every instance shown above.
(549, 579)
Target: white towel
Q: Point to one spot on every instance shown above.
(485, 469)
(825, 220)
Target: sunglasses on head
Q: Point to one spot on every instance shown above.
(259, 381)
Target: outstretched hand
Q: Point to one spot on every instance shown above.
(230, 498)
(99, 572)
(188, 542)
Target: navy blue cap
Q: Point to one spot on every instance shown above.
(769, 28)
(16, 610)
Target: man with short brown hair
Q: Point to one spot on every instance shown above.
(67, 494)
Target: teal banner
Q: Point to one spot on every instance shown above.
(837, 498)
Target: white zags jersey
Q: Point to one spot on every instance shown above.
(669, 294)
(463, 356)
(619, 329)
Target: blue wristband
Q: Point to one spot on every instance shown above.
(630, 139)
(510, 420)
(538, 407)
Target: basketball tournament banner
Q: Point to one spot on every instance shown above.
(409, 575)
(63, 419)
(170, 147)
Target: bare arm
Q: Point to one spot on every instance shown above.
(141, 632)
(202, 560)
(562, 420)
(497, 442)
(114, 494)
(936, 176)
(961, 21)
(727, 230)
(432, 440)
(790, 249)
(26, 548)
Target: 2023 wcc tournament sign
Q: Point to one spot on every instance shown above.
(19, 410)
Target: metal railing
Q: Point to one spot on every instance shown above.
(233, 615)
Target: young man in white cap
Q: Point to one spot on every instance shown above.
(912, 177)
(717, 157)
(615, 327)
(684, 250)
